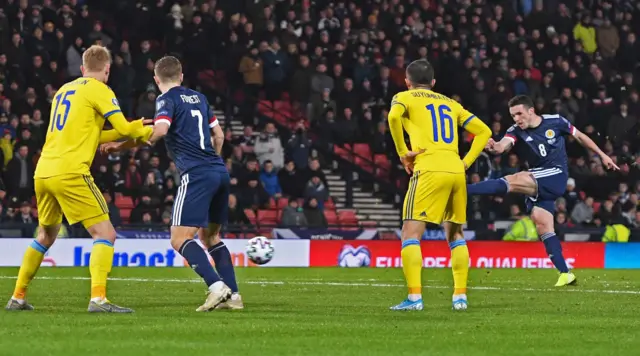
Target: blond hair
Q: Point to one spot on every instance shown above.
(95, 58)
(168, 69)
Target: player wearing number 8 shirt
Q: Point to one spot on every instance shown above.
(547, 179)
(437, 190)
(194, 140)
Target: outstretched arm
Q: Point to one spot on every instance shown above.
(588, 143)
(500, 147)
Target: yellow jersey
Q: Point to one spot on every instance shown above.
(78, 113)
(431, 120)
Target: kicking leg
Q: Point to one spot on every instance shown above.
(183, 242)
(459, 264)
(544, 225)
(412, 231)
(30, 264)
(210, 238)
(521, 182)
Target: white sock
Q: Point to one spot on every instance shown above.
(235, 296)
(97, 299)
(216, 287)
(459, 296)
(414, 297)
(20, 301)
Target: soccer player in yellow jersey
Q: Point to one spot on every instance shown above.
(437, 189)
(63, 182)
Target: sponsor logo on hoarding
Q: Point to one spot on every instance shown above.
(354, 256)
(485, 254)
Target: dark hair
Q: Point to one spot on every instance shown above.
(420, 72)
(524, 100)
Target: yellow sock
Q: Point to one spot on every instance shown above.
(412, 265)
(100, 266)
(30, 265)
(459, 265)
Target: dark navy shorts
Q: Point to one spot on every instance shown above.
(202, 198)
(552, 183)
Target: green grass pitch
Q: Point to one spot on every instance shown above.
(327, 312)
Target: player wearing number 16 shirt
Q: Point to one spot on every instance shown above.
(546, 180)
(194, 140)
(437, 190)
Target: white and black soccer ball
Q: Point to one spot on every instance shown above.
(260, 250)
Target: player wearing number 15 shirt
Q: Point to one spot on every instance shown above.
(437, 189)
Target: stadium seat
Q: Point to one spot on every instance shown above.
(272, 204)
(124, 202)
(125, 214)
(344, 152)
(596, 206)
(369, 224)
(382, 161)
(362, 149)
(347, 217)
(283, 106)
(363, 163)
(251, 215)
(267, 217)
(329, 204)
(331, 216)
(282, 203)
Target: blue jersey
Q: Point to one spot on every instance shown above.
(545, 142)
(190, 120)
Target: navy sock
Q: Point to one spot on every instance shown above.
(554, 250)
(199, 261)
(224, 265)
(489, 187)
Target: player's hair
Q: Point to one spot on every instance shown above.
(95, 58)
(168, 69)
(420, 72)
(524, 100)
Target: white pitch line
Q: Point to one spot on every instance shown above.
(345, 284)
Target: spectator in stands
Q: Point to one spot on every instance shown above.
(268, 147)
(19, 177)
(300, 88)
(251, 67)
(348, 125)
(172, 173)
(319, 107)
(6, 146)
(236, 213)
(318, 190)
(299, 146)
(314, 169)
(269, 179)
(147, 103)
(571, 196)
(276, 66)
(25, 215)
(620, 125)
(114, 211)
(293, 215)
(247, 141)
(254, 196)
(132, 180)
(290, 181)
(144, 207)
(152, 188)
(582, 213)
(314, 215)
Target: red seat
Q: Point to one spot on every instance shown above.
(124, 202)
(363, 163)
(382, 161)
(125, 213)
(362, 149)
(282, 203)
(264, 107)
(267, 217)
(596, 206)
(344, 152)
(272, 204)
(369, 224)
(347, 217)
(281, 105)
(331, 216)
(251, 215)
(329, 204)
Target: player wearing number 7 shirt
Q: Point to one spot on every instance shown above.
(547, 179)
(194, 140)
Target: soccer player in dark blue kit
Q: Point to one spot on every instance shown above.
(547, 179)
(194, 141)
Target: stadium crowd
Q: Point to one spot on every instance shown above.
(336, 64)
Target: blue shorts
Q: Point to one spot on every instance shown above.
(202, 198)
(552, 183)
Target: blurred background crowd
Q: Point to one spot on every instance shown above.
(304, 74)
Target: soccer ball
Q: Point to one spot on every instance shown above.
(260, 250)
